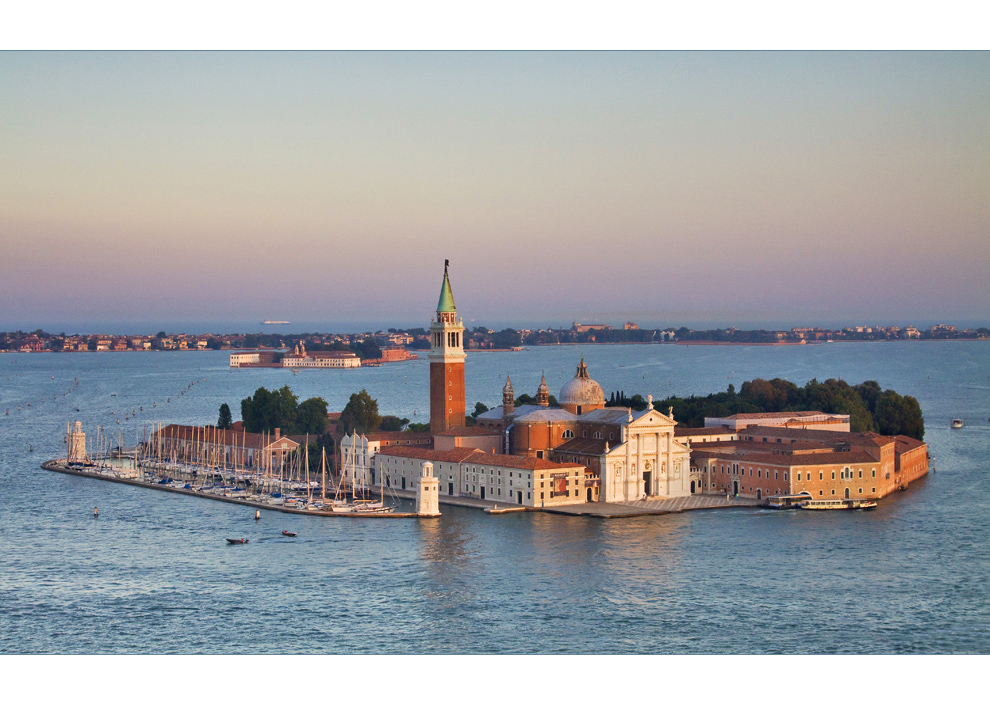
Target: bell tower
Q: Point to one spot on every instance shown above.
(446, 362)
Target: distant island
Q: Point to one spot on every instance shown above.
(368, 345)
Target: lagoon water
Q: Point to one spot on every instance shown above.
(153, 573)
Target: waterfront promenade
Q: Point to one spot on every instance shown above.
(603, 510)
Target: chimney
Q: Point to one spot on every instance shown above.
(278, 433)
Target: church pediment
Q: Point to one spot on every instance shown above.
(651, 418)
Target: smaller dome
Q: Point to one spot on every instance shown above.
(582, 390)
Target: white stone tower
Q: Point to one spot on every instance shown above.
(428, 493)
(76, 441)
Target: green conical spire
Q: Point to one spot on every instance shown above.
(446, 303)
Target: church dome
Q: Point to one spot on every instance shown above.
(582, 391)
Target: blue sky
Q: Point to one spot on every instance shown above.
(664, 187)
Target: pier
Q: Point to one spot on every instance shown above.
(56, 466)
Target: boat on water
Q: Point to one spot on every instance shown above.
(838, 504)
(788, 501)
(957, 423)
(291, 534)
(237, 541)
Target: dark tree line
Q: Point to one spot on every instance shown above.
(869, 407)
(266, 411)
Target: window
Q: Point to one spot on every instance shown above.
(860, 474)
(833, 475)
(821, 476)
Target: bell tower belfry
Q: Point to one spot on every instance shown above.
(446, 362)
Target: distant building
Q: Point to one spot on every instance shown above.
(585, 327)
(397, 355)
(813, 420)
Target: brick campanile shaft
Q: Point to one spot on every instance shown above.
(446, 363)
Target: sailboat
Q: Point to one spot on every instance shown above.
(355, 505)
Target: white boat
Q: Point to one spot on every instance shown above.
(957, 423)
(839, 504)
(788, 501)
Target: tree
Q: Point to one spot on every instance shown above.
(897, 415)
(392, 423)
(225, 419)
(267, 411)
(479, 408)
(311, 417)
(360, 415)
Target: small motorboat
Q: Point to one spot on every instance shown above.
(957, 423)
(237, 541)
(289, 533)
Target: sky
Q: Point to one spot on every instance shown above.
(757, 189)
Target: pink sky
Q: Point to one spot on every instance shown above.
(669, 187)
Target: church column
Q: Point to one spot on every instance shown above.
(670, 459)
(639, 464)
(628, 470)
(657, 486)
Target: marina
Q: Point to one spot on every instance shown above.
(228, 495)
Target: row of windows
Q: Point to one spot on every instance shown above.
(734, 470)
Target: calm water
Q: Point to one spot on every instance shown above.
(153, 573)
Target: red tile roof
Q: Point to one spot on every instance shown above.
(473, 455)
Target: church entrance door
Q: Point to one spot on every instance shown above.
(589, 495)
(482, 492)
(648, 483)
(520, 496)
(692, 486)
(735, 487)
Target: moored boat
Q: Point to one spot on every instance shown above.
(839, 504)
(788, 501)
